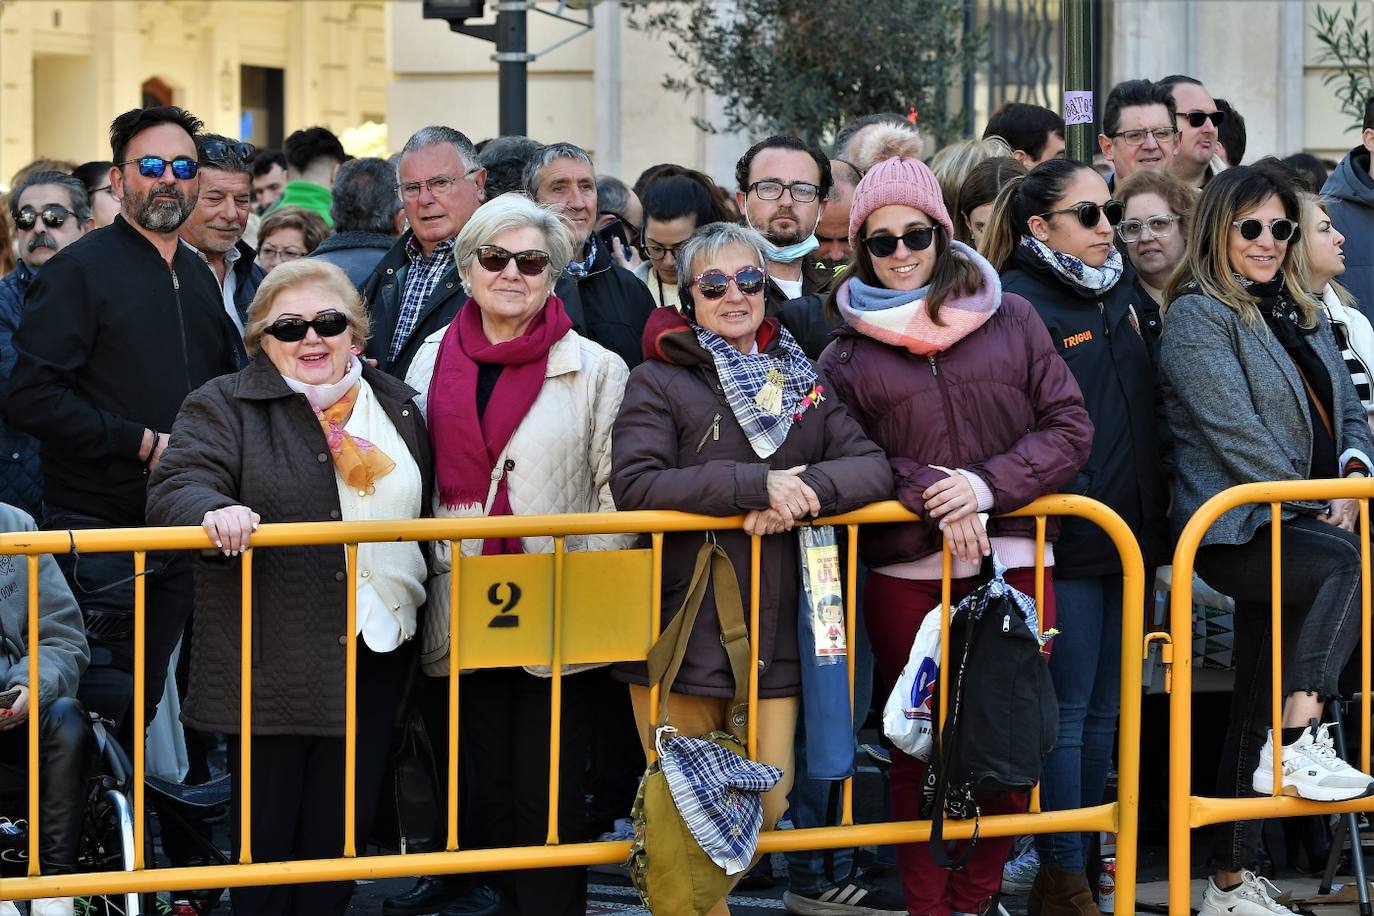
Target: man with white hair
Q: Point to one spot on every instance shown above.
(415, 289)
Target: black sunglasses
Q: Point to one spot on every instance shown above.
(290, 330)
(53, 216)
(1281, 229)
(714, 284)
(531, 262)
(183, 167)
(217, 150)
(1198, 118)
(1090, 214)
(885, 246)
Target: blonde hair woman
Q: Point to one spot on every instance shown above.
(1256, 390)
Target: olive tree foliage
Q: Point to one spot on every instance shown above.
(807, 67)
(1348, 50)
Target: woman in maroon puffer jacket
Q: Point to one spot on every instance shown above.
(961, 386)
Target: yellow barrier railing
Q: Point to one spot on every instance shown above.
(1187, 811)
(563, 619)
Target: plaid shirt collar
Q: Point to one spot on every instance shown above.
(417, 254)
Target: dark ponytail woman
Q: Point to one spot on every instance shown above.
(1050, 237)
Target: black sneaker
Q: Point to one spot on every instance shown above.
(853, 898)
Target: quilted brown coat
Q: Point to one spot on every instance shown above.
(247, 439)
(676, 445)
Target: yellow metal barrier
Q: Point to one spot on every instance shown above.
(536, 609)
(1187, 811)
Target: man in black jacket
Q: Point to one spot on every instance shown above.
(415, 289)
(367, 218)
(606, 302)
(119, 327)
(784, 184)
(216, 225)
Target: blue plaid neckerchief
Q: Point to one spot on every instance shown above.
(1093, 281)
(424, 274)
(580, 269)
(717, 792)
(743, 376)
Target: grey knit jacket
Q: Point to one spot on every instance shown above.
(1238, 411)
(63, 652)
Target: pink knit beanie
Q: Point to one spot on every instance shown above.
(898, 181)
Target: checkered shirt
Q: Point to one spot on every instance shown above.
(423, 276)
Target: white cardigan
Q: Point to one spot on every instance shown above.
(562, 463)
(1355, 337)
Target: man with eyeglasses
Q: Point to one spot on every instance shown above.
(415, 289)
(215, 228)
(783, 185)
(118, 328)
(605, 301)
(1138, 132)
(1198, 119)
(50, 211)
(1351, 191)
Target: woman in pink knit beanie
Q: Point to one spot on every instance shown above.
(961, 386)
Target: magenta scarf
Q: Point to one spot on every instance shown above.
(466, 448)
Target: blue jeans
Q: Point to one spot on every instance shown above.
(810, 797)
(1085, 664)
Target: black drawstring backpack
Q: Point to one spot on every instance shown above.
(1003, 716)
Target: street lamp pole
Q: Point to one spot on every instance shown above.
(512, 59)
(1079, 105)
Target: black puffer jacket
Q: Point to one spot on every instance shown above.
(1100, 338)
(609, 305)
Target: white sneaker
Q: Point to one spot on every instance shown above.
(53, 906)
(7, 908)
(1252, 898)
(1311, 769)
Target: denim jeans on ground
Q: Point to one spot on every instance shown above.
(1320, 582)
(809, 799)
(1086, 668)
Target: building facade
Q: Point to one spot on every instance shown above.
(261, 68)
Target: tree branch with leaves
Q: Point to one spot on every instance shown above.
(1347, 48)
(807, 67)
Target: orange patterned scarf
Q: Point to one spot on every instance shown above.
(360, 463)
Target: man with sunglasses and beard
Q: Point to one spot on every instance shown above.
(117, 329)
(50, 211)
(1198, 120)
(784, 183)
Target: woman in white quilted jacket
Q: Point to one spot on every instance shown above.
(520, 409)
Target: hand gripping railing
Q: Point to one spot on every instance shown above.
(565, 620)
(1187, 811)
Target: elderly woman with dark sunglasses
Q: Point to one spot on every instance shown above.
(520, 408)
(305, 432)
(728, 417)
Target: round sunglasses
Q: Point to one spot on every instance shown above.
(1282, 230)
(714, 284)
(290, 330)
(885, 246)
(531, 262)
(53, 215)
(1090, 214)
(183, 167)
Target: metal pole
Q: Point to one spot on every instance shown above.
(512, 59)
(1079, 105)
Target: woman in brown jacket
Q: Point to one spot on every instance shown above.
(305, 432)
(726, 416)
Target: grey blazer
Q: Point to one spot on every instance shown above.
(1238, 411)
